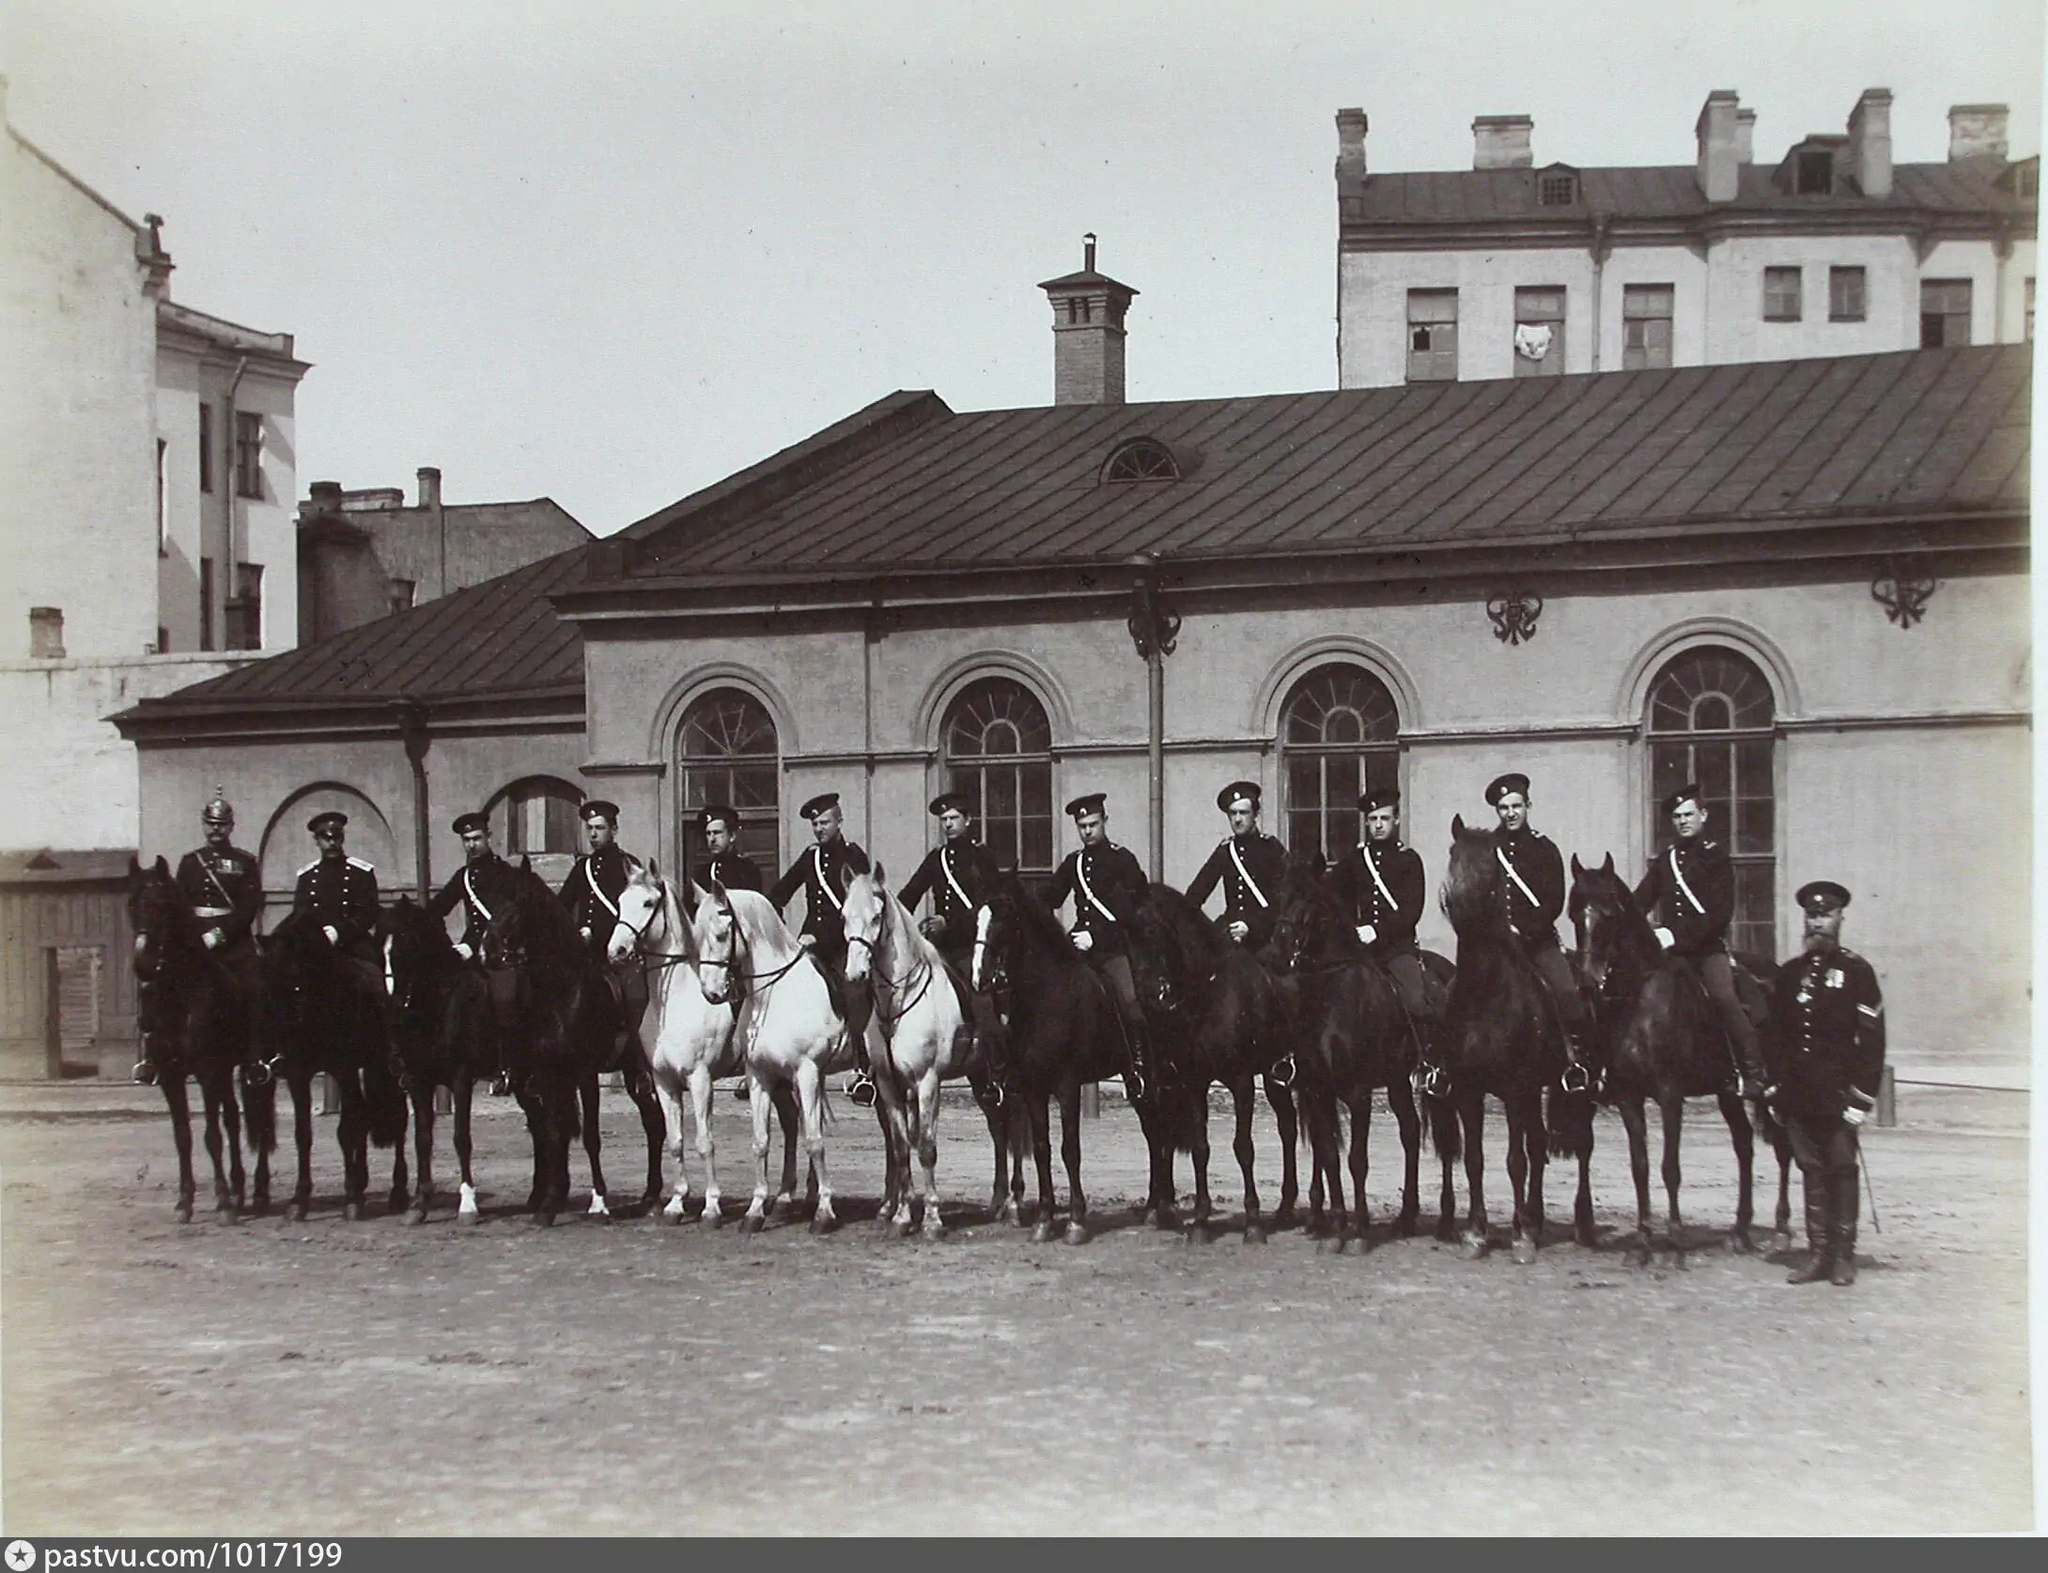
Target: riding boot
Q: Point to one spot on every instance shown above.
(1820, 1236)
(1845, 1197)
(1140, 1078)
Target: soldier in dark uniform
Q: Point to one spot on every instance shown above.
(1690, 890)
(1382, 885)
(821, 872)
(1826, 1051)
(1249, 864)
(338, 893)
(1535, 897)
(1107, 888)
(723, 860)
(224, 887)
(957, 875)
(591, 894)
(485, 885)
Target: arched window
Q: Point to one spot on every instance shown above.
(726, 753)
(1710, 721)
(1339, 735)
(998, 750)
(1141, 459)
(536, 816)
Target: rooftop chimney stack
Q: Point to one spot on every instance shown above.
(1870, 142)
(1502, 142)
(1088, 333)
(1745, 136)
(1351, 129)
(430, 487)
(1977, 131)
(1718, 131)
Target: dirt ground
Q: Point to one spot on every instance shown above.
(334, 1378)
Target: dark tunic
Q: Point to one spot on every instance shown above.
(1537, 872)
(1691, 885)
(949, 872)
(341, 892)
(486, 888)
(1390, 902)
(822, 871)
(733, 870)
(225, 891)
(1264, 860)
(592, 890)
(1118, 887)
(1825, 1049)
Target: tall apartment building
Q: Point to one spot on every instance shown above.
(1513, 270)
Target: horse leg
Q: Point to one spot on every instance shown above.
(1781, 1149)
(1198, 1158)
(1472, 1120)
(1282, 1101)
(1539, 1163)
(810, 1091)
(758, 1108)
(1243, 1094)
(1070, 1152)
(209, 1096)
(465, 1093)
(1041, 1153)
(423, 1145)
(894, 1214)
(231, 1116)
(1401, 1099)
(172, 1081)
(1635, 1120)
(1326, 1193)
(302, 1135)
(593, 1146)
(926, 1132)
(1361, 1167)
(260, 1106)
(701, 1094)
(786, 1111)
(665, 1088)
(654, 1123)
(1744, 1138)
(1521, 1249)
(1672, 1107)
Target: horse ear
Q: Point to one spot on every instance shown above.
(1608, 865)
(525, 864)
(653, 869)
(1457, 825)
(1577, 867)
(881, 878)
(161, 866)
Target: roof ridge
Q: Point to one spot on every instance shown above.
(73, 179)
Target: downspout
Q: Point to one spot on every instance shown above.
(229, 495)
(1599, 248)
(870, 636)
(2001, 253)
(412, 730)
(1154, 627)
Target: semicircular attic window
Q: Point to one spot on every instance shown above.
(1141, 459)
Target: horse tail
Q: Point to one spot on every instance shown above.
(1570, 1129)
(388, 1107)
(1182, 1110)
(1446, 1134)
(259, 1116)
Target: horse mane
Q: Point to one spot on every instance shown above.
(757, 915)
(678, 921)
(1471, 894)
(1034, 918)
(547, 928)
(1190, 939)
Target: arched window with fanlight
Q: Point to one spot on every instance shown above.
(537, 818)
(1339, 735)
(727, 753)
(1711, 721)
(997, 747)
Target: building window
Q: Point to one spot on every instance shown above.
(1845, 295)
(998, 750)
(536, 818)
(1432, 335)
(1339, 735)
(1781, 294)
(726, 753)
(205, 446)
(46, 633)
(1141, 460)
(1557, 191)
(401, 593)
(248, 454)
(206, 603)
(1539, 332)
(1944, 313)
(244, 619)
(1645, 326)
(1814, 173)
(163, 498)
(1710, 722)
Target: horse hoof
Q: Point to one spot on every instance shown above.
(1041, 1233)
(1640, 1255)
(1077, 1233)
(1254, 1235)
(934, 1232)
(546, 1218)
(472, 1219)
(1475, 1247)
(1523, 1251)
(713, 1216)
(296, 1212)
(1447, 1232)
(182, 1212)
(418, 1215)
(823, 1224)
(1679, 1258)
(753, 1223)
(895, 1228)
(400, 1200)
(1781, 1242)
(1167, 1218)
(1339, 1245)
(353, 1212)
(1285, 1218)
(1404, 1226)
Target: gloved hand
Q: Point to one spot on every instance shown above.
(585, 932)
(1367, 933)
(932, 927)
(333, 936)
(1238, 929)
(807, 942)
(1854, 1116)
(1665, 938)
(1083, 940)
(463, 950)
(213, 939)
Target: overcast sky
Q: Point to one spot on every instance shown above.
(610, 251)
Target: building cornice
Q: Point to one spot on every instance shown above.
(1614, 231)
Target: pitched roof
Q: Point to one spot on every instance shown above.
(907, 484)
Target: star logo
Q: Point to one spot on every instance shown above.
(21, 1556)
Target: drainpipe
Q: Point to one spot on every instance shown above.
(1601, 245)
(412, 730)
(229, 493)
(1154, 628)
(870, 636)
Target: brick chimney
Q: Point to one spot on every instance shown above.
(1351, 128)
(323, 497)
(1088, 333)
(1719, 133)
(1745, 136)
(1502, 142)
(1870, 142)
(430, 487)
(1977, 131)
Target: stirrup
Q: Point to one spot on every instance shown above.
(144, 1073)
(1575, 1078)
(1431, 1081)
(1282, 1073)
(861, 1089)
(258, 1074)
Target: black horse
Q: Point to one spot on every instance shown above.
(326, 1021)
(1215, 1016)
(1351, 1037)
(1063, 1031)
(564, 1030)
(193, 1021)
(1660, 1039)
(1501, 1037)
(440, 1022)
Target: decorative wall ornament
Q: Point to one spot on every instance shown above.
(1153, 622)
(1903, 591)
(1514, 616)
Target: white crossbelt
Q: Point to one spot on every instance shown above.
(1088, 890)
(1245, 874)
(597, 890)
(1520, 884)
(946, 868)
(824, 883)
(1679, 874)
(469, 889)
(1387, 895)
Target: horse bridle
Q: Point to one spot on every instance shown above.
(876, 974)
(650, 962)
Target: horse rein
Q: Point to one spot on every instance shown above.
(877, 975)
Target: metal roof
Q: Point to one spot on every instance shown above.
(908, 484)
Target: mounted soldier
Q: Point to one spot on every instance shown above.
(821, 872)
(958, 875)
(724, 862)
(1689, 891)
(1827, 1062)
(1107, 888)
(1248, 864)
(338, 895)
(224, 887)
(591, 894)
(485, 886)
(1535, 892)
(1382, 885)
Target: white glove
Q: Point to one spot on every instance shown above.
(213, 939)
(1664, 938)
(584, 931)
(807, 942)
(1853, 1116)
(1367, 933)
(463, 950)
(1083, 940)
(1238, 931)
(333, 938)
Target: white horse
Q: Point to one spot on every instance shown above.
(789, 1030)
(689, 1040)
(921, 1022)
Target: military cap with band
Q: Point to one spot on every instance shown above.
(718, 811)
(958, 801)
(464, 823)
(1500, 786)
(819, 804)
(598, 808)
(1689, 793)
(1379, 797)
(332, 816)
(1087, 803)
(1230, 796)
(1822, 895)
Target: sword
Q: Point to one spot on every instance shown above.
(1863, 1162)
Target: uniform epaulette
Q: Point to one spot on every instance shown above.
(308, 868)
(367, 868)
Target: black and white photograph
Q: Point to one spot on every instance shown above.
(1101, 770)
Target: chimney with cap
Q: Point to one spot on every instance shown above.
(1870, 142)
(1745, 136)
(430, 487)
(1718, 131)
(1977, 131)
(1351, 128)
(1088, 333)
(1502, 142)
